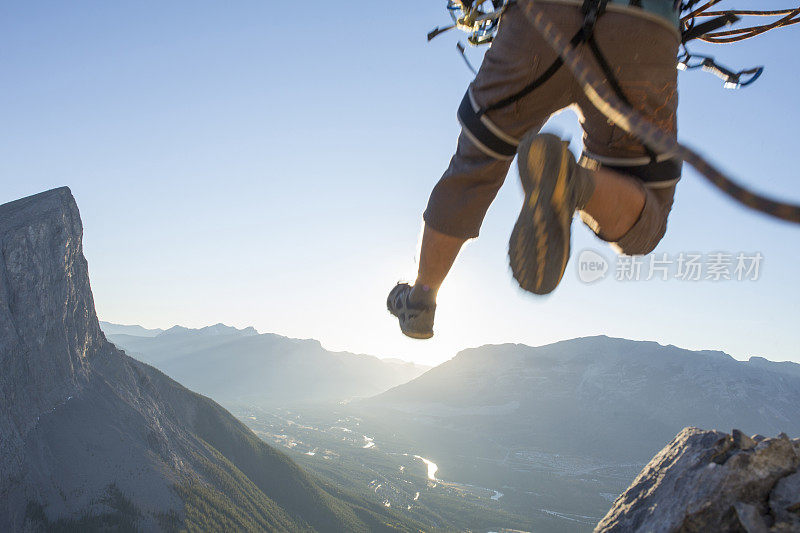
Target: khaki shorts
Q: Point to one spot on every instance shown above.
(642, 51)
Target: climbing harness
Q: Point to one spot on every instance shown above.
(665, 154)
(475, 18)
(634, 123)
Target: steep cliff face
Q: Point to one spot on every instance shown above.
(92, 439)
(50, 340)
(48, 329)
(712, 481)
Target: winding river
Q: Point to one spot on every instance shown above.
(432, 467)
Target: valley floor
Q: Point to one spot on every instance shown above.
(446, 481)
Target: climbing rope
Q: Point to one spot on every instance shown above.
(607, 102)
(788, 18)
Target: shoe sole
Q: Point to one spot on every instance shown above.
(418, 336)
(539, 246)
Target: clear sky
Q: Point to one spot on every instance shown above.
(267, 164)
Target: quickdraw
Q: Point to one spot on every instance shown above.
(709, 32)
(733, 80)
(475, 18)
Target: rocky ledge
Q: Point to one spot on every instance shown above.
(713, 481)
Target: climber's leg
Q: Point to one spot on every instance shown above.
(437, 254)
(462, 196)
(616, 203)
(647, 229)
(455, 211)
(634, 188)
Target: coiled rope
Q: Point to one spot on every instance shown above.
(788, 17)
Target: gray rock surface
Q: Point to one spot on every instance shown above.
(55, 386)
(712, 481)
(48, 331)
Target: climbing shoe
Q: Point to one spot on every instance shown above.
(416, 320)
(554, 187)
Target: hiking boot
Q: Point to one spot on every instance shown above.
(554, 187)
(416, 320)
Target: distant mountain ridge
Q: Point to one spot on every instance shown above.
(787, 367)
(124, 329)
(216, 330)
(244, 367)
(600, 395)
(93, 440)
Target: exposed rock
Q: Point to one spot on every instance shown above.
(48, 330)
(742, 441)
(785, 500)
(712, 481)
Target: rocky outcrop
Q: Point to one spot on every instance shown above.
(48, 329)
(91, 439)
(63, 386)
(712, 481)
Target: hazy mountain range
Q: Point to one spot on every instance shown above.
(91, 439)
(121, 329)
(610, 398)
(241, 366)
(599, 396)
(559, 430)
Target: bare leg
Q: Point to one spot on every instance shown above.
(437, 255)
(616, 203)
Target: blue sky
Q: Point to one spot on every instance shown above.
(269, 168)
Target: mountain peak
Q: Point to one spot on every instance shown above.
(174, 330)
(91, 439)
(135, 330)
(222, 329)
(48, 326)
(219, 329)
(786, 367)
(595, 347)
